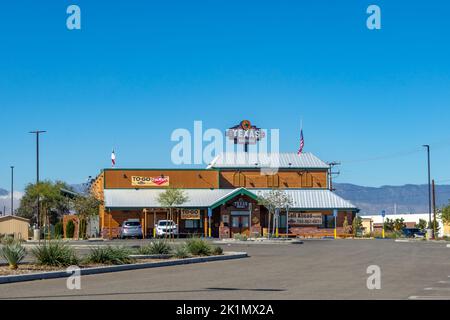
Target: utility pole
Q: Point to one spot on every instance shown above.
(330, 174)
(429, 183)
(434, 210)
(37, 133)
(12, 190)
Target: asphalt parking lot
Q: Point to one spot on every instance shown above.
(316, 269)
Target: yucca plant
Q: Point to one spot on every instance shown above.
(198, 247)
(55, 253)
(158, 247)
(217, 251)
(181, 252)
(13, 253)
(110, 255)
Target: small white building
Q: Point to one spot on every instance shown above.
(410, 220)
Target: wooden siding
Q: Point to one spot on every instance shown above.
(282, 179)
(177, 178)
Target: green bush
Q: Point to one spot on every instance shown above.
(217, 251)
(181, 252)
(393, 234)
(59, 230)
(241, 237)
(70, 229)
(13, 253)
(110, 255)
(156, 247)
(198, 247)
(55, 253)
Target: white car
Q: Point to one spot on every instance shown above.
(166, 227)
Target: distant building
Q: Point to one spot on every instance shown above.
(375, 222)
(14, 226)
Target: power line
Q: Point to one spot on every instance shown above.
(437, 145)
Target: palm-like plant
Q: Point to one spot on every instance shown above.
(13, 253)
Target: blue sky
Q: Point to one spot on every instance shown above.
(139, 69)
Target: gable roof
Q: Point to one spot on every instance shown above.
(264, 160)
(10, 217)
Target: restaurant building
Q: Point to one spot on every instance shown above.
(223, 199)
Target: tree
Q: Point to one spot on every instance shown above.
(389, 225)
(445, 214)
(170, 199)
(356, 225)
(422, 224)
(274, 201)
(52, 203)
(399, 224)
(86, 207)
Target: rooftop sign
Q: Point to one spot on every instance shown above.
(245, 133)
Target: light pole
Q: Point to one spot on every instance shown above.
(427, 146)
(287, 221)
(37, 133)
(12, 190)
(335, 213)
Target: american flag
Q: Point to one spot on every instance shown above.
(113, 158)
(302, 142)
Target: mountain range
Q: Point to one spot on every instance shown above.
(410, 198)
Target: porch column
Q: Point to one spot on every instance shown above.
(209, 221)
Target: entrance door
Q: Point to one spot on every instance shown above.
(240, 222)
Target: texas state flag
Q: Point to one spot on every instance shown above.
(113, 158)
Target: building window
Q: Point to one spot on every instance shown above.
(192, 224)
(235, 222)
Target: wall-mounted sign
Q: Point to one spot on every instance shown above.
(303, 218)
(150, 181)
(240, 204)
(245, 133)
(190, 214)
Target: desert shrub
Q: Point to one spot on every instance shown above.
(181, 252)
(239, 236)
(198, 247)
(55, 253)
(393, 234)
(7, 239)
(109, 255)
(13, 253)
(70, 229)
(156, 247)
(217, 251)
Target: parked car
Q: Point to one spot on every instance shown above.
(413, 233)
(166, 227)
(131, 228)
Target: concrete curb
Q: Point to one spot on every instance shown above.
(225, 242)
(123, 267)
